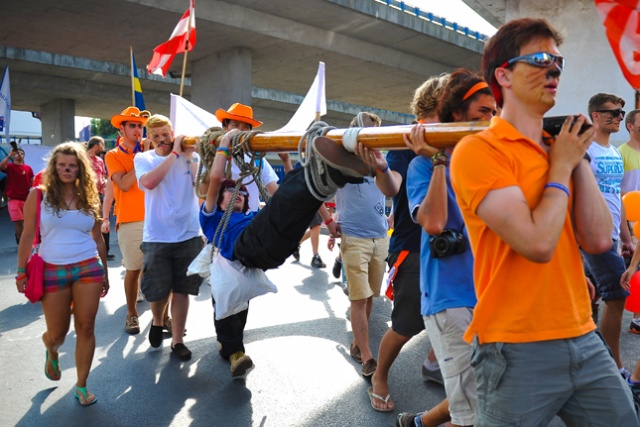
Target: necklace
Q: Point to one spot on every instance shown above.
(70, 202)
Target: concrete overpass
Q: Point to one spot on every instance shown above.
(70, 57)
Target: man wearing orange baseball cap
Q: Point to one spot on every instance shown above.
(129, 208)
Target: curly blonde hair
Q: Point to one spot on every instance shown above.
(425, 98)
(88, 200)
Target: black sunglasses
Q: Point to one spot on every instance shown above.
(538, 59)
(615, 113)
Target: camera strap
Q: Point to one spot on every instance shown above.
(393, 272)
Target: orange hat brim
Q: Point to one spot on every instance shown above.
(130, 114)
(222, 115)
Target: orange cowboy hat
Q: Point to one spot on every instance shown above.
(130, 114)
(238, 112)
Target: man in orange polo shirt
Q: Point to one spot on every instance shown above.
(129, 208)
(527, 205)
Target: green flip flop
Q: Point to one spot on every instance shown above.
(83, 392)
(54, 363)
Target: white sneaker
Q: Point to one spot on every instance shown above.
(140, 296)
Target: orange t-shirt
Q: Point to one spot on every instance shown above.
(129, 205)
(518, 300)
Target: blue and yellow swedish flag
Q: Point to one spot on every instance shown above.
(137, 89)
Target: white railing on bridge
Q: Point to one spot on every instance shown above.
(438, 20)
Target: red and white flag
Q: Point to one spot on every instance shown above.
(621, 19)
(183, 39)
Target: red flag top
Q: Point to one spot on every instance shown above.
(621, 19)
(183, 39)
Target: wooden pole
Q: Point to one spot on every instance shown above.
(186, 46)
(184, 69)
(439, 135)
(133, 84)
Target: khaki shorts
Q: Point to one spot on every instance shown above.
(445, 330)
(129, 240)
(364, 263)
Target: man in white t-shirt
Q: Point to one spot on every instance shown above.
(171, 236)
(606, 113)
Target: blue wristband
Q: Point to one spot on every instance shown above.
(383, 171)
(559, 187)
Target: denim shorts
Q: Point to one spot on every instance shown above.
(527, 384)
(57, 277)
(606, 269)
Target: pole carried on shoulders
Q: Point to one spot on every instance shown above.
(380, 138)
(439, 135)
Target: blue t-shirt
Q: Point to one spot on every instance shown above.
(445, 282)
(406, 233)
(237, 223)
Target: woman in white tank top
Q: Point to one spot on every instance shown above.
(75, 258)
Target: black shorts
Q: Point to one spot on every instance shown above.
(317, 220)
(164, 268)
(406, 316)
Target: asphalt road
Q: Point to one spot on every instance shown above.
(298, 339)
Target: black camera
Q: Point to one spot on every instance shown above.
(553, 125)
(449, 242)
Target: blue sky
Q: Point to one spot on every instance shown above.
(452, 10)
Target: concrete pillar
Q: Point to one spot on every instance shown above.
(591, 66)
(222, 79)
(58, 122)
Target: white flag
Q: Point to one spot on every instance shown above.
(315, 102)
(5, 104)
(189, 119)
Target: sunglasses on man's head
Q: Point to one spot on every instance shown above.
(538, 59)
(241, 192)
(615, 113)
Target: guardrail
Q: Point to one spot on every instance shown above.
(453, 26)
(26, 139)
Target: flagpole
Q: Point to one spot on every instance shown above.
(184, 66)
(186, 45)
(133, 84)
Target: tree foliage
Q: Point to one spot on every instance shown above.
(103, 128)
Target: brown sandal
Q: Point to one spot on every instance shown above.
(354, 351)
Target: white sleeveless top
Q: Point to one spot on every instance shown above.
(66, 237)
